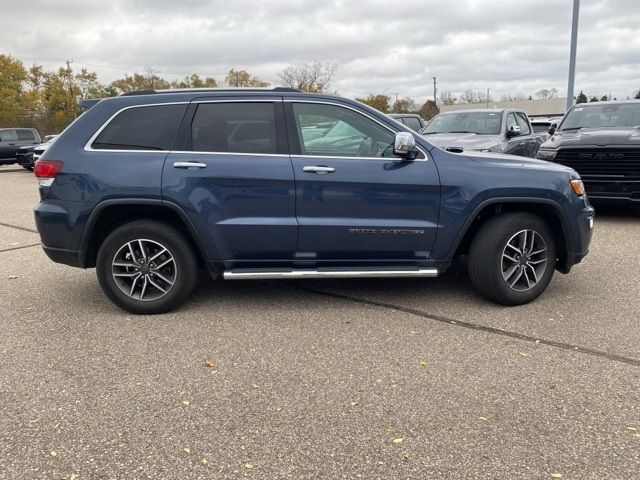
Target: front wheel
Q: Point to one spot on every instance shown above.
(146, 267)
(512, 258)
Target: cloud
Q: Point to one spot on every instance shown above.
(379, 46)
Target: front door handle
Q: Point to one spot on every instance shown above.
(318, 169)
(189, 165)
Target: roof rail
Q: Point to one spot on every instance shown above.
(196, 90)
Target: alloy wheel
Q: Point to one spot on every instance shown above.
(524, 260)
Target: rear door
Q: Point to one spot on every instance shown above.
(231, 173)
(356, 202)
(8, 145)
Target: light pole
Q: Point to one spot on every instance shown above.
(572, 55)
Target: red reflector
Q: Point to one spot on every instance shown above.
(47, 168)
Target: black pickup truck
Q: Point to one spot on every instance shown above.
(487, 130)
(601, 141)
(11, 139)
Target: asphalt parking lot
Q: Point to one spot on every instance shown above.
(376, 379)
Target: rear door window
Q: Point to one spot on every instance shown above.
(26, 135)
(142, 128)
(7, 136)
(234, 127)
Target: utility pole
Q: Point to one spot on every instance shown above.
(435, 91)
(395, 105)
(488, 89)
(72, 107)
(572, 54)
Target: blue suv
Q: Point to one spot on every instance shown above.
(276, 183)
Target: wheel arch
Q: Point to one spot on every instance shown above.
(110, 214)
(549, 210)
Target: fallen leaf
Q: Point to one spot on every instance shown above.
(632, 429)
(204, 461)
(185, 403)
(398, 441)
(12, 277)
(423, 364)
(353, 404)
(407, 456)
(187, 450)
(524, 354)
(556, 475)
(483, 418)
(139, 384)
(208, 362)
(214, 371)
(248, 466)
(54, 454)
(73, 477)
(56, 426)
(14, 244)
(256, 386)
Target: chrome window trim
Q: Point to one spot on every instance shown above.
(89, 148)
(194, 152)
(336, 104)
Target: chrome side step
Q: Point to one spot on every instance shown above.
(274, 275)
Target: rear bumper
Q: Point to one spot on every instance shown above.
(61, 255)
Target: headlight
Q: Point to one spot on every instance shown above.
(544, 154)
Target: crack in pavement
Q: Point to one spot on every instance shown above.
(18, 227)
(473, 326)
(20, 247)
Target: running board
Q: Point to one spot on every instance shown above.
(274, 275)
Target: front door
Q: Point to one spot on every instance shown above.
(355, 201)
(233, 177)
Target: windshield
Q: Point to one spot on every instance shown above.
(602, 116)
(482, 123)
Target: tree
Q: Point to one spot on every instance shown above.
(404, 105)
(593, 99)
(242, 78)
(604, 98)
(13, 76)
(447, 98)
(136, 82)
(545, 93)
(311, 77)
(581, 98)
(428, 110)
(195, 81)
(468, 96)
(637, 96)
(380, 102)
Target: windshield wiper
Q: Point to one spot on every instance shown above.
(571, 128)
(462, 131)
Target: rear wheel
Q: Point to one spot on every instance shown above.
(146, 267)
(512, 258)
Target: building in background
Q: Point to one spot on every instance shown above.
(534, 108)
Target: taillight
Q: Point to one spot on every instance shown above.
(46, 171)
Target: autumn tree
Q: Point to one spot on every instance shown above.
(195, 81)
(138, 81)
(242, 78)
(405, 105)
(311, 77)
(428, 110)
(380, 102)
(13, 76)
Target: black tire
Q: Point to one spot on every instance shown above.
(185, 273)
(486, 258)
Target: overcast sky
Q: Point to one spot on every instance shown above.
(379, 46)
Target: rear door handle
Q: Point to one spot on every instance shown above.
(318, 169)
(189, 165)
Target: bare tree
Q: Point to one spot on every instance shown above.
(447, 98)
(468, 96)
(545, 93)
(311, 77)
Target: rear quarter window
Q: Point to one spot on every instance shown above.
(142, 128)
(26, 135)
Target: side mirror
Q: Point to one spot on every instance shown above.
(513, 131)
(404, 145)
(552, 128)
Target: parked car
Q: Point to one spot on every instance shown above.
(412, 120)
(500, 131)
(11, 139)
(148, 187)
(600, 140)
